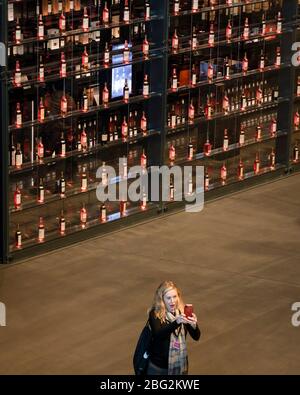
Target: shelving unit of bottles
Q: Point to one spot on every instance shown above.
(176, 82)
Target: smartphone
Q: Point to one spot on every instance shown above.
(188, 310)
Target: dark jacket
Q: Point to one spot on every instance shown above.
(161, 339)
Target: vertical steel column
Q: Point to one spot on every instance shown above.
(287, 83)
(164, 85)
(4, 225)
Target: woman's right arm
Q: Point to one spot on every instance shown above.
(161, 330)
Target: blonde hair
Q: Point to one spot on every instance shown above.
(158, 305)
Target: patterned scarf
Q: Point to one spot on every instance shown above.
(178, 363)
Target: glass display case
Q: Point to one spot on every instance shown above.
(87, 82)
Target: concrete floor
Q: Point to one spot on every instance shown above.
(79, 310)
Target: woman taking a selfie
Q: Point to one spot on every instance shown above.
(169, 327)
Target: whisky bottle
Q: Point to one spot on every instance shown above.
(106, 55)
(126, 13)
(63, 66)
(17, 198)
(19, 157)
(41, 231)
(105, 14)
(272, 160)
(175, 41)
(41, 31)
(41, 71)
(18, 237)
(85, 20)
(62, 23)
(172, 153)
(225, 140)
(40, 150)
(83, 216)
(190, 151)
(147, 10)
(124, 129)
(41, 192)
(143, 123)
(174, 80)
(84, 180)
(143, 160)
(146, 87)
(18, 116)
(126, 53)
(246, 30)
(62, 185)
(18, 75)
(191, 112)
(223, 174)
(105, 95)
(256, 165)
(145, 47)
(211, 36)
(18, 33)
(241, 170)
(62, 224)
(228, 31)
(194, 39)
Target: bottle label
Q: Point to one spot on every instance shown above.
(41, 233)
(105, 16)
(63, 70)
(174, 83)
(84, 184)
(42, 74)
(19, 240)
(171, 193)
(173, 121)
(62, 226)
(195, 5)
(62, 24)
(194, 79)
(83, 216)
(147, 12)
(41, 152)
(18, 78)
(62, 187)
(146, 90)
(19, 119)
(18, 35)
(124, 130)
(18, 199)
(279, 27)
(41, 195)
(242, 138)
(126, 56)
(85, 24)
(126, 16)
(106, 57)
(19, 159)
(104, 137)
(225, 145)
(278, 60)
(143, 124)
(145, 48)
(41, 31)
(175, 43)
